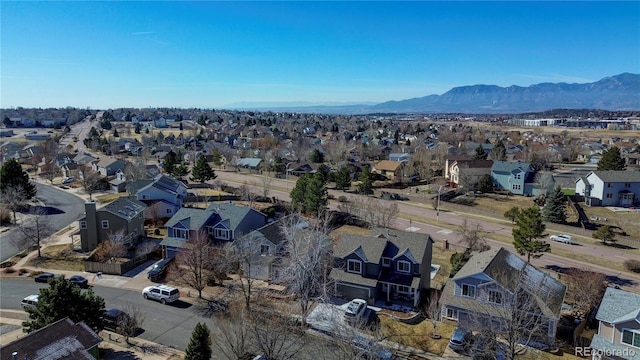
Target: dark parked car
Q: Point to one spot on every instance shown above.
(157, 272)
(79, 280)
(43, 278)
(115, 320)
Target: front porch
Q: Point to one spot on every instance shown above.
(402, 295)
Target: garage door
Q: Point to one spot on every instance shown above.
(347, 291)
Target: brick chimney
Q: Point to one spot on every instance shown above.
(91, 239)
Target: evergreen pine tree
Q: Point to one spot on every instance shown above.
(343, 178)
(201, 171)
(317, 156)
(12, 176)
(499, 151)
(611, 160)
(61, 299)
(604, 233)
(366, 181)
(298, 193)
(216, 157)
(169, 162)
(529, 228)
(480, 153)
(199, 347)
(555, 207)
(316, 198)
(485, 184)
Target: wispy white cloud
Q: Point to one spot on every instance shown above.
(143, 33)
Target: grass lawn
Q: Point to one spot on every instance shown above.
(417, 336)
(499, 204)
(59, 257)
(107, 198)
(627, 220)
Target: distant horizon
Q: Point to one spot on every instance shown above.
(205, 54)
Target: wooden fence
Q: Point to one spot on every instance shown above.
(117, 268)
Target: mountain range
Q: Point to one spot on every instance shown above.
(615, 93)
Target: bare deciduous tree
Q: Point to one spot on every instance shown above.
(585, 287)
(36, 230)
(470, 235)
(130, 323)
(195, 261)
(377, 213)
(307, 248)
(113, 247)
(244, 253)
(232, 338)
(274, 335)
(89, 179)
(14, 197)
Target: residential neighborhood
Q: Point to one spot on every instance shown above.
(148, 194)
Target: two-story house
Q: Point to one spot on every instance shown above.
(163, 195)
(124, 215)
(223, 223)
(483, 293)
(609, 188)
(389, 267)
(467, 173)
(390, 169)
(108, 167)
(514, 176)
(271, 247)
(618, 334)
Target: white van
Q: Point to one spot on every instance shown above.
(29, 301)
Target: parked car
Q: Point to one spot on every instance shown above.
(355, 310)
(163, 293)
(29, 301)
(461, 339)
(44, 277)
(115, 319)
(67, 180)
(563, 238)
(159, 270)
(370, 349)
(80, 281)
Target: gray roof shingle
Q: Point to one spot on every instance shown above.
(619, 306)
(613, 176)
(374, 246)
(510, 166)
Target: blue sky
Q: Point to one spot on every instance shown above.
(212, 54)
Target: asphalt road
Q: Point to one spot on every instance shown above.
(63, 208)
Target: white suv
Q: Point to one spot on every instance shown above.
(163, 293)
(567, 239)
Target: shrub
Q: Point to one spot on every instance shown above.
(9, 270)
(7, 264)
(343, 199)
(632, 265)
(22, 271)
(156, 232)
(5, 216)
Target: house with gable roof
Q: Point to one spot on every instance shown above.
(610, 188)
(492, 281)
(468, 172)
(222, 222)
(164, 195)
(108, 167)
(391, 266)
(389, 169)
(619, 326)
(514, 176)
(121, 215)
(59, 340)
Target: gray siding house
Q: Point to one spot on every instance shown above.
(122, 215)
(610, 188)
(619, 326)
(514, 176)
(388, 267)
(223, 223)
(483, 292)
(163, 195)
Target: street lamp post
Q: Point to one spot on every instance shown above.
(438, 205)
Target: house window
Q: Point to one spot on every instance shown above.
(609, 196)
(451, 313)
(222, 234)
(180, 233)
(168, 211)
(495, 297)
(354, 266)
(515, 187)
(468, 290)
(627, 185)
(517, 176)
(631, 337)
(264, 249)
(105, 224)
(386, 262)
(145, 197)
(608, 185)
(83, 224)
(404, 289)
(404, 266)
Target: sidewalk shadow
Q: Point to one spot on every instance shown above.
(138, 269)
